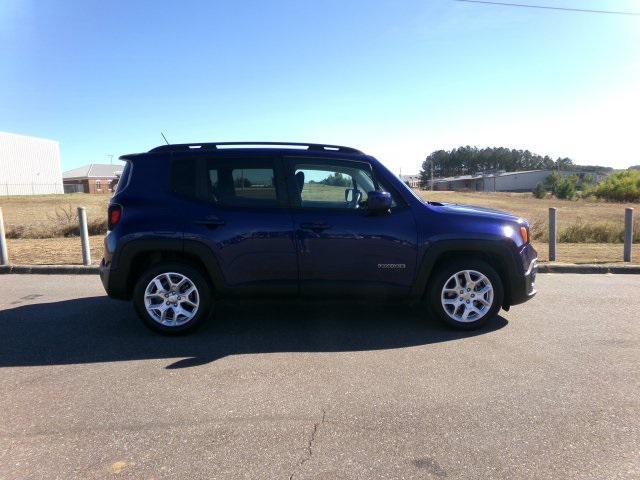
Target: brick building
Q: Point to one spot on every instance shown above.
(412, 180)
(92, 178)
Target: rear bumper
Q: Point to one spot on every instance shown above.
(113, 283)
(104, 275)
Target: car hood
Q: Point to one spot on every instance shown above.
(472, 210)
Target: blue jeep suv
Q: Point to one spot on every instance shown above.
(193, 223)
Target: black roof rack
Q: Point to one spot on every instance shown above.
(186, 147)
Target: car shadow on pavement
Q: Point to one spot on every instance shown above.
(98, 329)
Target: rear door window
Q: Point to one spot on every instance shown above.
(243, 183)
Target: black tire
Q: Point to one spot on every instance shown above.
(444, 273)
(198, 280)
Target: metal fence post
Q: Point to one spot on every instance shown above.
(84, 235)
(628, 233)
(4, 255)
(553, 234)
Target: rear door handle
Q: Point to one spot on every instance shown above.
(315, 226)
(210, 222)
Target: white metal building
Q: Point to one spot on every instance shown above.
(29, 165)
(523, 181)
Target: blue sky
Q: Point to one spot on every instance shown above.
(397, 79)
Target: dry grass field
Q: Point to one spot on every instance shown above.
(53, 251)
(67, 251)
(37, 222)
(46, 216)
(577, 220)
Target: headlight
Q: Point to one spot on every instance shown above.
(512, 232)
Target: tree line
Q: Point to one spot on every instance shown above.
(471, 160)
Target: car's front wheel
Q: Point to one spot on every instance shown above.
(466, 293)
(172, 298)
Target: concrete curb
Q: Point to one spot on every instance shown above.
(586, 268)
(542, 268)
(50, 269)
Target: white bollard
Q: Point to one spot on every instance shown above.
(4, 255)
(628, 233)
(84, 236)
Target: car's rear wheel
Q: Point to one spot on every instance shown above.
(172, 298)
(466, 293)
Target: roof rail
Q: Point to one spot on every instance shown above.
(186, 147)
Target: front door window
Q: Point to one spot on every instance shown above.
(344, 186)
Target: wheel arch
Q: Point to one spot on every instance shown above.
(496, 253)
(137, 256)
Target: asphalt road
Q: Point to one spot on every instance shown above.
(280, 391)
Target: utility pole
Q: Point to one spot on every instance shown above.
(431, 174)
(110, 159)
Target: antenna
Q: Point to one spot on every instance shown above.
(165, 138)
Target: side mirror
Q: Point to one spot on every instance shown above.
(379, 202)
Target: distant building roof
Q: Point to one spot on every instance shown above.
(93, 170)
(485, 175)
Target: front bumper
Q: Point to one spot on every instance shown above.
(530, 278)
(525, 287)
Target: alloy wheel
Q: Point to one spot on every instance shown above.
(171, 299)
(467, 296)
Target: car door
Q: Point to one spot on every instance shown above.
(241, 214)
(344, 249)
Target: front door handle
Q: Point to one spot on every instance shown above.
(212, 222)
(315, 226)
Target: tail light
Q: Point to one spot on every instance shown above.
(114, 216)
(524, 233)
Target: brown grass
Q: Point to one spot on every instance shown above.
(68, 251)
(579, 221)
(45, 216)
(591, 222)
(53, 251)
(586, 252)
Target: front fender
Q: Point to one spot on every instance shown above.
(499, 250)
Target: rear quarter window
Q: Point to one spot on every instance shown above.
(123, 181)
(183, 177)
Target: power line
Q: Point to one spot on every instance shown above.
(546, 7)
